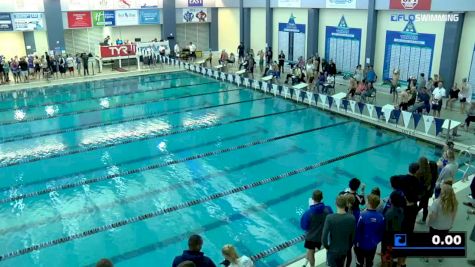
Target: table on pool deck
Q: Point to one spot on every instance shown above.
(240, 72)
(267, 78)
(301, 86)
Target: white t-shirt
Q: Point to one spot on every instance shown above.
(441, 220)
(470, 96)
(177, 49)
(70, 62)
(192, 48)
(243, 261)
(438, 93)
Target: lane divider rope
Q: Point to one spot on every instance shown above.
(163, 164)
(278, 248)
(184, 205)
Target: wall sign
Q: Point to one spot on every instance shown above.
(341, 4)
(343, 46)
(117, 51)
(126, 17)
(410, 4)
(288, 3)
(408, 51)
(292, 39)
(195, 15)
(103, 18)
(6, 22)
(193, 3)
(79, 19)
(149, 16)
(28, 21)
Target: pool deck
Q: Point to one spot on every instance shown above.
(463, 222)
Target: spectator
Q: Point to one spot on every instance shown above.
(192, 48)
(269, 55)
(351, 88)
(85, 63)
(194, 254)
(331, 68)
(369, 92)
(437, 95)
(453, 96)
(24, 69)
(448, 171)
(240, 51)
(250, 66)
(223, 59)
(393, 218)
(369, 232)
(421, 82)
(338, 234)
(312, 222)
(261, 56)
(382, 203)
(354, 185)
(281, 59)
(358, 74)
(70, 64)
(394, 85)
(430, 85)
(442, 212)
(424, 97)
(104, 263)
(470, 116)
(371, 76)
(177, 50)
(424, 175)
(230, 254)
(465, 94)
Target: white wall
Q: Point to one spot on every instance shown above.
(354, 19)
(385, 23)
(258, 29)
(228, 29)
(282, 15)
(466, 47)
(15, 45)
(41, 42)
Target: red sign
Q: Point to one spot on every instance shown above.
(79, 19)
(117, 51)
(410, 4)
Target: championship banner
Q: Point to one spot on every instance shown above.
(117, 51)
(194, 15)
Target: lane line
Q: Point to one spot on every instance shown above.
(28, 107)
(5, 188)
(46, 117)
(164, 164)
(184, 205)
(112, 122)
(127, 141)
(130, 199)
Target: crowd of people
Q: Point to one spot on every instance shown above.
(350, 228)
(34, 67)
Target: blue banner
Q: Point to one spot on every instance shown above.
(410, 52)
(194, 3)
(379, 111)
(343, 46)
(330, 101)
(417, 119)
(6, 22)
(438, 125)
(109, 18)
(361, 106)
(149, 16)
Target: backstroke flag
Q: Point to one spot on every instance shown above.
(427, 122)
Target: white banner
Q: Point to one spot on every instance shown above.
(387, 113)
(352, 105)
(126, 17)
(255, 84)
(370, 110)
(246, 82)
(428, 120)
(194, 15)
(223, 76)
(406, 117)
(286, 91)
(297, 94)
(147, 48)
(309, 98)
(274, 89)
(28, 21)
(216, 74)
(348, 4)
(237, 79)
(337, 102)
(288, 3)
(230, 78)
(323, 99)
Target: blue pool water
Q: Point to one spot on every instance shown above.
(89, 170)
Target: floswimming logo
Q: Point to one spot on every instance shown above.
(418, 17)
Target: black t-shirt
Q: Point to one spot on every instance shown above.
(411, 187)
(23, 65)
(454, 93)
(281, 58)
(241, 49)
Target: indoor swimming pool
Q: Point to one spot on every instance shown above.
(128, 168)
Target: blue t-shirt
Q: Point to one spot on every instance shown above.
(371, 76)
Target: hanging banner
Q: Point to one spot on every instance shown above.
(193, 15)
(79, 19)
(28, 21)
(292, 39)
(379, 111)
(323, 99)
(417, 119)
(28, 5)
(147, 3)
(347, 4)
(409, 52)
(288, 3)
(118, 51)
(149, 16)
(387, 110)
(410, 4)
(125, 4)
(370, 108)
(343, 46)
(337, 103)
(361, 106)
(330, 101)
(103, 18)
(126, 17)
(195, 3)
(6, 22)
(406, 117)
(427, 122)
